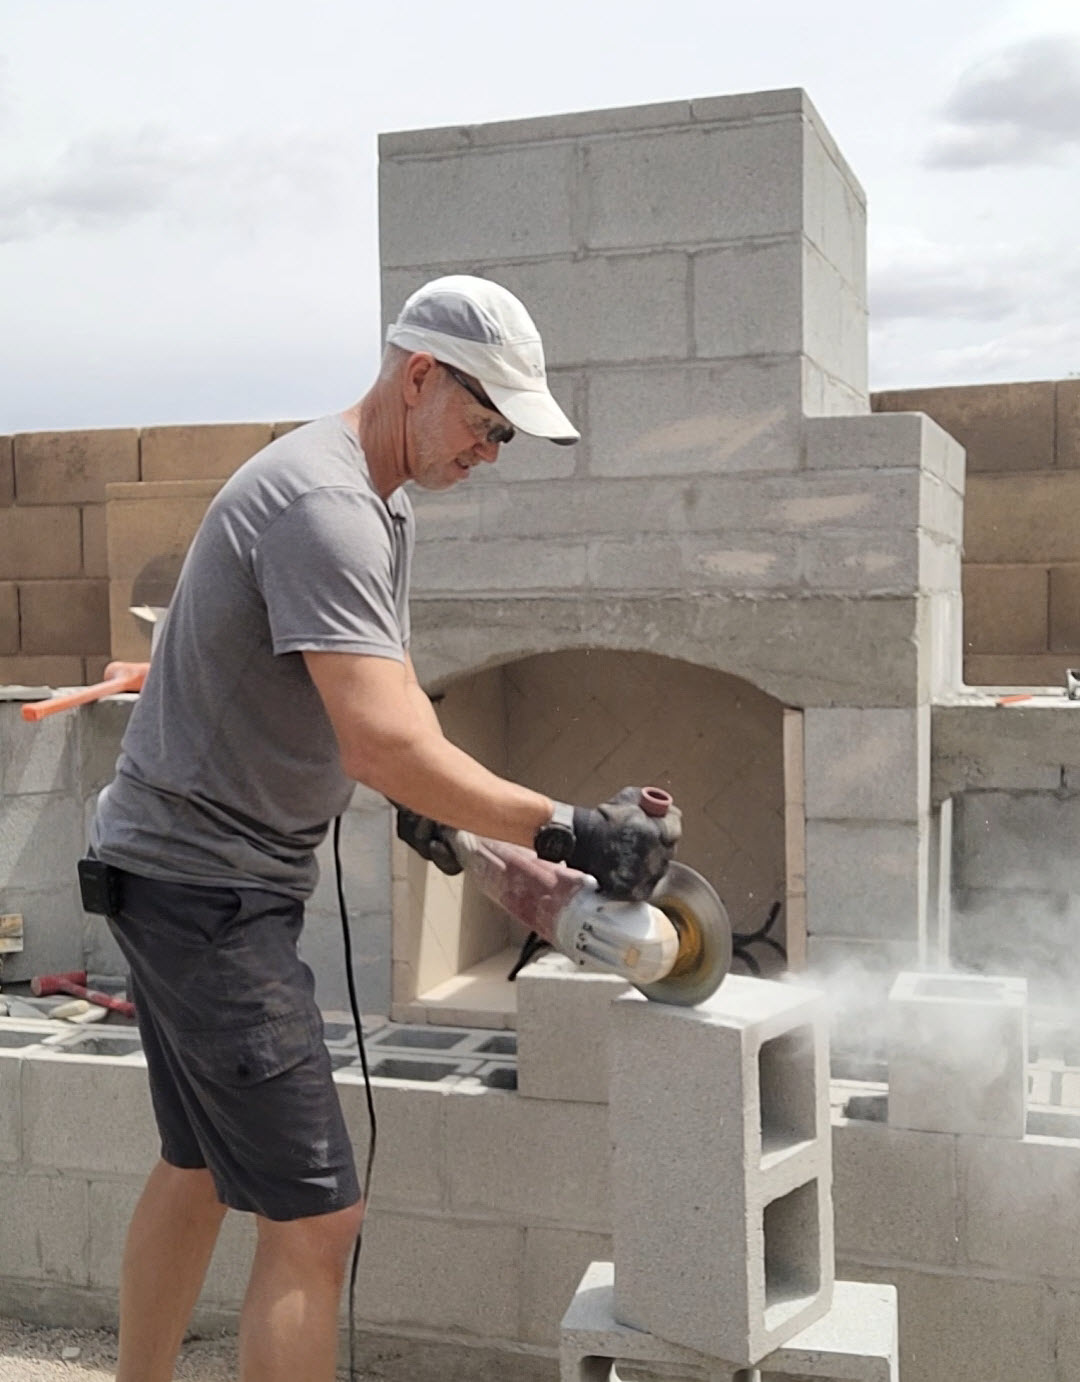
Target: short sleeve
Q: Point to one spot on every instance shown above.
(325, 569)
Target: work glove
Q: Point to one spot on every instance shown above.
(428, 838)
(625, 850)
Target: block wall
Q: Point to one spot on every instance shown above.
(1021, 578)
(54, 560)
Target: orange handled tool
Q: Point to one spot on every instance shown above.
(127, 676)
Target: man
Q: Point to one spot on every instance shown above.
(282, 677)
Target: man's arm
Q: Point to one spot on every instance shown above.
(391, 741)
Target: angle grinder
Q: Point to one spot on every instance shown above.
(675, 947)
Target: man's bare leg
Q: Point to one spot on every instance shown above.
(169, 1245)
(288, 1327)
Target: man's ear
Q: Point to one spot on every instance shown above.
(419, 368)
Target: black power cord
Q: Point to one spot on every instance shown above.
(354, 1005)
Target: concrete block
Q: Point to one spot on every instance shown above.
(834, 323)
(95, 549)
(1022, 518)
(64, 616)
(410, 1151)
(695, 187)
(867, 764)
(440, 1274)
(868, 443)
(52, 918)
(1018, 1205)
(44, 1227)
(73, 467)
(864, 564)
(201, 452)
(1064, 617)
(958, 1053)
(759, 561)
(1018, 842)
(748, 299)
(976, 746)
(1006, 609)
(504, 1153)
(492, 206)
(41, 671)
(742, 416)
(894, 1193)
(36, 758)
(1003, 427)
(867, 878)
(9, 618)
(1014, 670)
(40, 543)
(857, 1340)
(101, 727)
(1066, 424)
(7, 472)
(72, 1107)
(555, 1260)
(731, 1268)
(562, 1026)
(40, 839)
(497, 565)
(970, 1328)
(150, 528)
(10, 1105)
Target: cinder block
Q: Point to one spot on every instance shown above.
(73, 467)
(856, 1341)
(1018, 841)
(200, 452)
(968, 1328)
(867, 879)
(497, 565)
(894, 1193)
(440, 1274)
(10, 1106)
(748, 299)
(867, 764)
(7, 472)
(555, 1260)
(40, 837)
(1005, 608)
(40, 543)
(722, 1227)
(694, 187)
(957, 1054)
(410, 1150)
(1017, 1205)
(835, 331)
(95, 551)
(562, 1026)
(41, 671)
(904, 441)
(72, 1107)
(758, 561)
(1017, 670)
(1064, 614)
(43, 1229)
(1004, 427)
(1022, 518)
(35, 758)
(9, 618)
(685, 420)
(64, 617)
(503, 1152)
(492, 205)
(150, 528)
(1066, 427)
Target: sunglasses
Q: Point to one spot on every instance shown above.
(499, 432)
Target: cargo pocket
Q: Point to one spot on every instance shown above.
(246, 1056)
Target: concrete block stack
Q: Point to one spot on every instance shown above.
(722, 1201)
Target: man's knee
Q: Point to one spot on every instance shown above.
(327, 1237)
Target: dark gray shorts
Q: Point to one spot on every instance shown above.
(240, 1078)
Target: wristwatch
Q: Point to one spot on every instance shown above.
(555, 840)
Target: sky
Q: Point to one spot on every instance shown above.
(188, 220)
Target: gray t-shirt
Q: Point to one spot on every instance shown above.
(229, 771)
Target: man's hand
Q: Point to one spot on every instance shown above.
(625, 850)
(428, 838)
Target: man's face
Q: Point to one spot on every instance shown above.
(449, 432)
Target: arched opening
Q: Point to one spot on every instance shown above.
(579, 725)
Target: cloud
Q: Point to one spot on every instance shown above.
(110, 180)
(918, 279)
(1019, 106)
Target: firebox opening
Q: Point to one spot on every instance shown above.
(579, 725)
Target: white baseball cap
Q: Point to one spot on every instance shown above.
(482, 328)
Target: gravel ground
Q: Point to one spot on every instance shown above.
(31, 1354)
